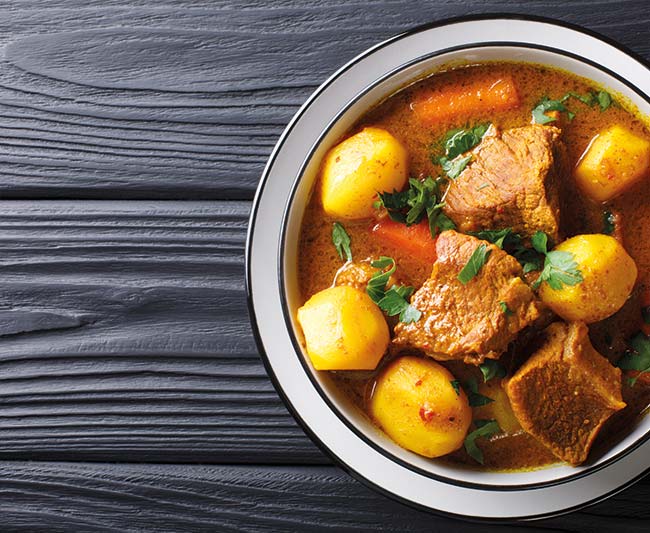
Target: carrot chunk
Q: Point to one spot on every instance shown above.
(456, 102)
(413, 241)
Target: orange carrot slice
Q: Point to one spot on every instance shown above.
(456, 102)
(413, 241)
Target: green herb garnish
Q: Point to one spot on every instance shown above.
(505, 309)
(484, 429)
(456, 385)
(461, 141)
(394, 300)
(341, 241)
(638, 358)
(601, 98)
(421, 198)
(609, 222)
(473, 266)
(545, 105)
(512, 243)
(457, 142)
(474, 398)
(491, 369)
(453, 167)
(560, 268)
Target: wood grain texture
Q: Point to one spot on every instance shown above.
(125, 336)
(134, 498)
(185, 100)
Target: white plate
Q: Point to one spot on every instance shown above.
(272, 291)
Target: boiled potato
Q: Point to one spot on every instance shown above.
(614, 161)
(354, 171)
(608, 272)
(343, 329)
(415, 403)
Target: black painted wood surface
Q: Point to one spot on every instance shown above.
(132, 137)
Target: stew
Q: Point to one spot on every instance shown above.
(475, 267)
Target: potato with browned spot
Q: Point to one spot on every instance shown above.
(355, 170)
(418, 403)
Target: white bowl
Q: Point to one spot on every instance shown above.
(326, 415)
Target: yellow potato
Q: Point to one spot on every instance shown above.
(355, 170)
(609, 275)
(615, 160)
(343, 329)
(415, 403)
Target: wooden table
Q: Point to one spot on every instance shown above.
(132, 137)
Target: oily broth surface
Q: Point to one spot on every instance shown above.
(318, 261)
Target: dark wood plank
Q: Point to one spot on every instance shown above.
(125, 336)
(126, 498)
(186, 99)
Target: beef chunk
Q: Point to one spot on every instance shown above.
(565, 392)
(511, 182)
(357, 274)
(468, 322)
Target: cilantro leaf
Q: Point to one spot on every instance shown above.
(609, 222)
(453, 167)
(545, 105)
(456, 385)
(560, 268)
(484, 429)
(512, 243)
(491, 369)
(638, 358)
(473, 266)
(604, 100)
(505, 309)
(410, 206)
(341, 241)
(377, 284)
(540, 242)
(474, 398)
(460, 141)
(393, 301)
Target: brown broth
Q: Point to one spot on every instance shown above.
(318, 261)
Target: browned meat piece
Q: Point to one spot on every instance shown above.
(468, 322)
(511, 182)
(565, 392)
(357, 274)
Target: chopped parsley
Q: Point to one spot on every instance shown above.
(637, 358)
(512, 243)
(602, 99)
(476, 261)
(453, 167)
(456, 385)
(393, 301)
(457, 142)
(505, 309)
(492, 369)
(484, 429)
(560, 267)
(341, 241)
(410, 206)
(474, 398)
(609, 222)
(545, 105)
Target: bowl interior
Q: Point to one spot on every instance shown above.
(303, 187)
